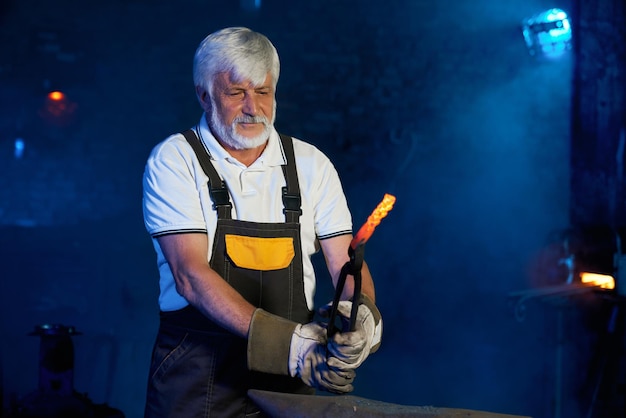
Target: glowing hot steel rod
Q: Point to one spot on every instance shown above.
(353, 266)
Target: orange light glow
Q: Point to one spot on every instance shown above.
(373, 220)
(56, 96)
(58, 109)
(603, 281)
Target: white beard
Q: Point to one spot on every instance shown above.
(230, 136)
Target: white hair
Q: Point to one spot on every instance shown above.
(245, 54)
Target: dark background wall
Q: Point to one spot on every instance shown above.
(436, 102)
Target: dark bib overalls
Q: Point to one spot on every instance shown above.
(198, 368)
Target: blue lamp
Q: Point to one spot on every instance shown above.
(548, 34)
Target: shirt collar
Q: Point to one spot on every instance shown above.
(273, 154)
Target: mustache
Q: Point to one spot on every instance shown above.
(251, 119)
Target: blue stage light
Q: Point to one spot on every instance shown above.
(548, 34)
(19, 146)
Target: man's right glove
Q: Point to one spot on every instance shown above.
(280, 346)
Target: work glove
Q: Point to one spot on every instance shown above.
(280, 346)
(349, 349)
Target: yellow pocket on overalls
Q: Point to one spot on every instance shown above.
(256, 253)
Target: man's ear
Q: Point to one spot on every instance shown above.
(203, 98)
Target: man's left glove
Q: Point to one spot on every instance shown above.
(280, 346)
(349, 349)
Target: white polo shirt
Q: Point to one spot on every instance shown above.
(176, 198)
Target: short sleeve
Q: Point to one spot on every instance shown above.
(171, 201)
(322, 187)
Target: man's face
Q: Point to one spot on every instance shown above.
(242, 114)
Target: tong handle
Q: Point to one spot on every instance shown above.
(352, 267)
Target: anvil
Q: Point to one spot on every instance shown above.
(287, 405)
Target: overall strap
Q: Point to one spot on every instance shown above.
(217, 188)
(218, 191)
(292, 201)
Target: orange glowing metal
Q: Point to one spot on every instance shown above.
(373, 220)
(603, 281)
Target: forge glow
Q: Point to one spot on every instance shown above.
(604, 281)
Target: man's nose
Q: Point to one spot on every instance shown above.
(250, 105)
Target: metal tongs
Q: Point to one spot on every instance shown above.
(353, 267)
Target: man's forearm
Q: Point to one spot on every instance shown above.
(218, 301)
(367, 283)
